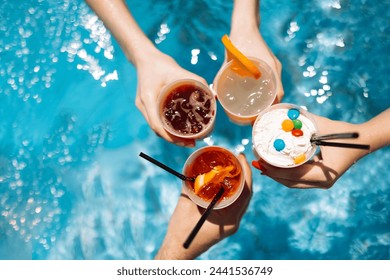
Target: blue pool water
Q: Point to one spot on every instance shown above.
(71, 183)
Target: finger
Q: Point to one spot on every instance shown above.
(236, 210)
(141, 108)
(241, 204)
(247, 170)
(256, 164)
(161, 132)
(279, 91)
(279, 85)
(243, 200)
(181, 141)
(310, 172)
(293, 184)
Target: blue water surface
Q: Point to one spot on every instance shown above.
(71, 183)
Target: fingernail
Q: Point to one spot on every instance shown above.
(258, 166)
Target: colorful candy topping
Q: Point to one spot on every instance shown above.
(293, 125)
(297, 124)
(297, 132)
(299, 159)
(293, 113)
(279, 145)
(287, 125)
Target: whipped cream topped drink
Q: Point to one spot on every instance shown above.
(281, 135)
(187, 109)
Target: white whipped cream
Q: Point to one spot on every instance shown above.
(269, 128)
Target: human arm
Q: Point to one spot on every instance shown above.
(154, 68)
(220, 224)
(326, 168)
(246, 36)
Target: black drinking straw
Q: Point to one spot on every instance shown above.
(342, 145)
(318, 140)
(202, 219)
(345, 135)
(166, 168)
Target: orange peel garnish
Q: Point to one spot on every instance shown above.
(241, 64)
(203, 179)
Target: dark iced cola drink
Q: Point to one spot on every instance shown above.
(187, 109)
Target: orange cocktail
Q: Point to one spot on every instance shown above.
(213, 167)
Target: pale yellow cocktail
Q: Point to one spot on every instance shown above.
(244, 97)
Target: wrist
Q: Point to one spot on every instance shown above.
(376, 132)
(138, 52)
(173, 251)
(245, 15)
(241, 36)
(172, 248)
(118, 19)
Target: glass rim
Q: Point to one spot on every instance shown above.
(306, 113)
(201, 202)
(262, 64)
(167, 89)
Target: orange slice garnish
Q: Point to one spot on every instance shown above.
(203, 179)
(242, 65)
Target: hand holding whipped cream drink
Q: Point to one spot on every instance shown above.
(281, 135)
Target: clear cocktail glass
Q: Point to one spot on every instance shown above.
(187, 109)
(242, 96)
